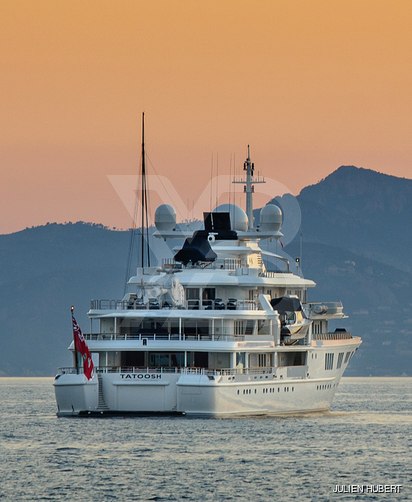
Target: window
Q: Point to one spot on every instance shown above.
(329, 361)
(340, 359)
(347, 357)
(208, 297)
(316, 328)
(166, 360)
(192, 293)
(192, 297)
(292, 358)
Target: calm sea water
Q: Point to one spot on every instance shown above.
(366, 439)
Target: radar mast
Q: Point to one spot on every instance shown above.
(249, 187)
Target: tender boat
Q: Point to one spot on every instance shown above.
(211, 331)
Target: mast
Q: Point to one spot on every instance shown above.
(249, 167)
(249, 187)
(144, 216)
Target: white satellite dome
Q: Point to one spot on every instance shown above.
(238, 218)
(270, 218)
(165, 217)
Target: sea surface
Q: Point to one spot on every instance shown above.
(365, 440)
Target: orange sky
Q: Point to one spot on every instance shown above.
(311, 85)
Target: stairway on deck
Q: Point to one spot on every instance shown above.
(101, 403)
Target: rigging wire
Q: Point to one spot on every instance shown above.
(132, 239)
(170, 196)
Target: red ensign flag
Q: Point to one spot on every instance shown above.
(81, 347)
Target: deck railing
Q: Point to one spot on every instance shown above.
(336, 335)
(197, 337)
(188, 305)
(273, 275)
(225, 264)
(267, 371)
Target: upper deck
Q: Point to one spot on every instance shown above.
(205, 309)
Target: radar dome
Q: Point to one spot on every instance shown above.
(165, 218)
(238, 218)
(270, 218)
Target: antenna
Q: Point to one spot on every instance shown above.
(211, 184)
(217, 179)
(234, 177)
(230, 175)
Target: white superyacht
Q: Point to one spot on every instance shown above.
(210, 332)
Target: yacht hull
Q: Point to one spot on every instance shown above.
(270, 391)
(196, 398)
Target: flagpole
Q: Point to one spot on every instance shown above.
(75, 358)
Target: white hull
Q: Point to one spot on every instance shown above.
(270, 391)
(194, 395)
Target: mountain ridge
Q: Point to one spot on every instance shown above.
(366, 210)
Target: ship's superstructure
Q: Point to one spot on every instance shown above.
(211, 331)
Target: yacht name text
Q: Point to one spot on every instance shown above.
(140, 376)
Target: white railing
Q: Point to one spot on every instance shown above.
(225, 264)
(165, 337)
(336, 335)
(189, 305)
(273, 275)
(192, 370)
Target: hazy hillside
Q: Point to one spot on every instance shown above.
(356, 245)
(43, 271)
(357, 242)
(365, 212)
